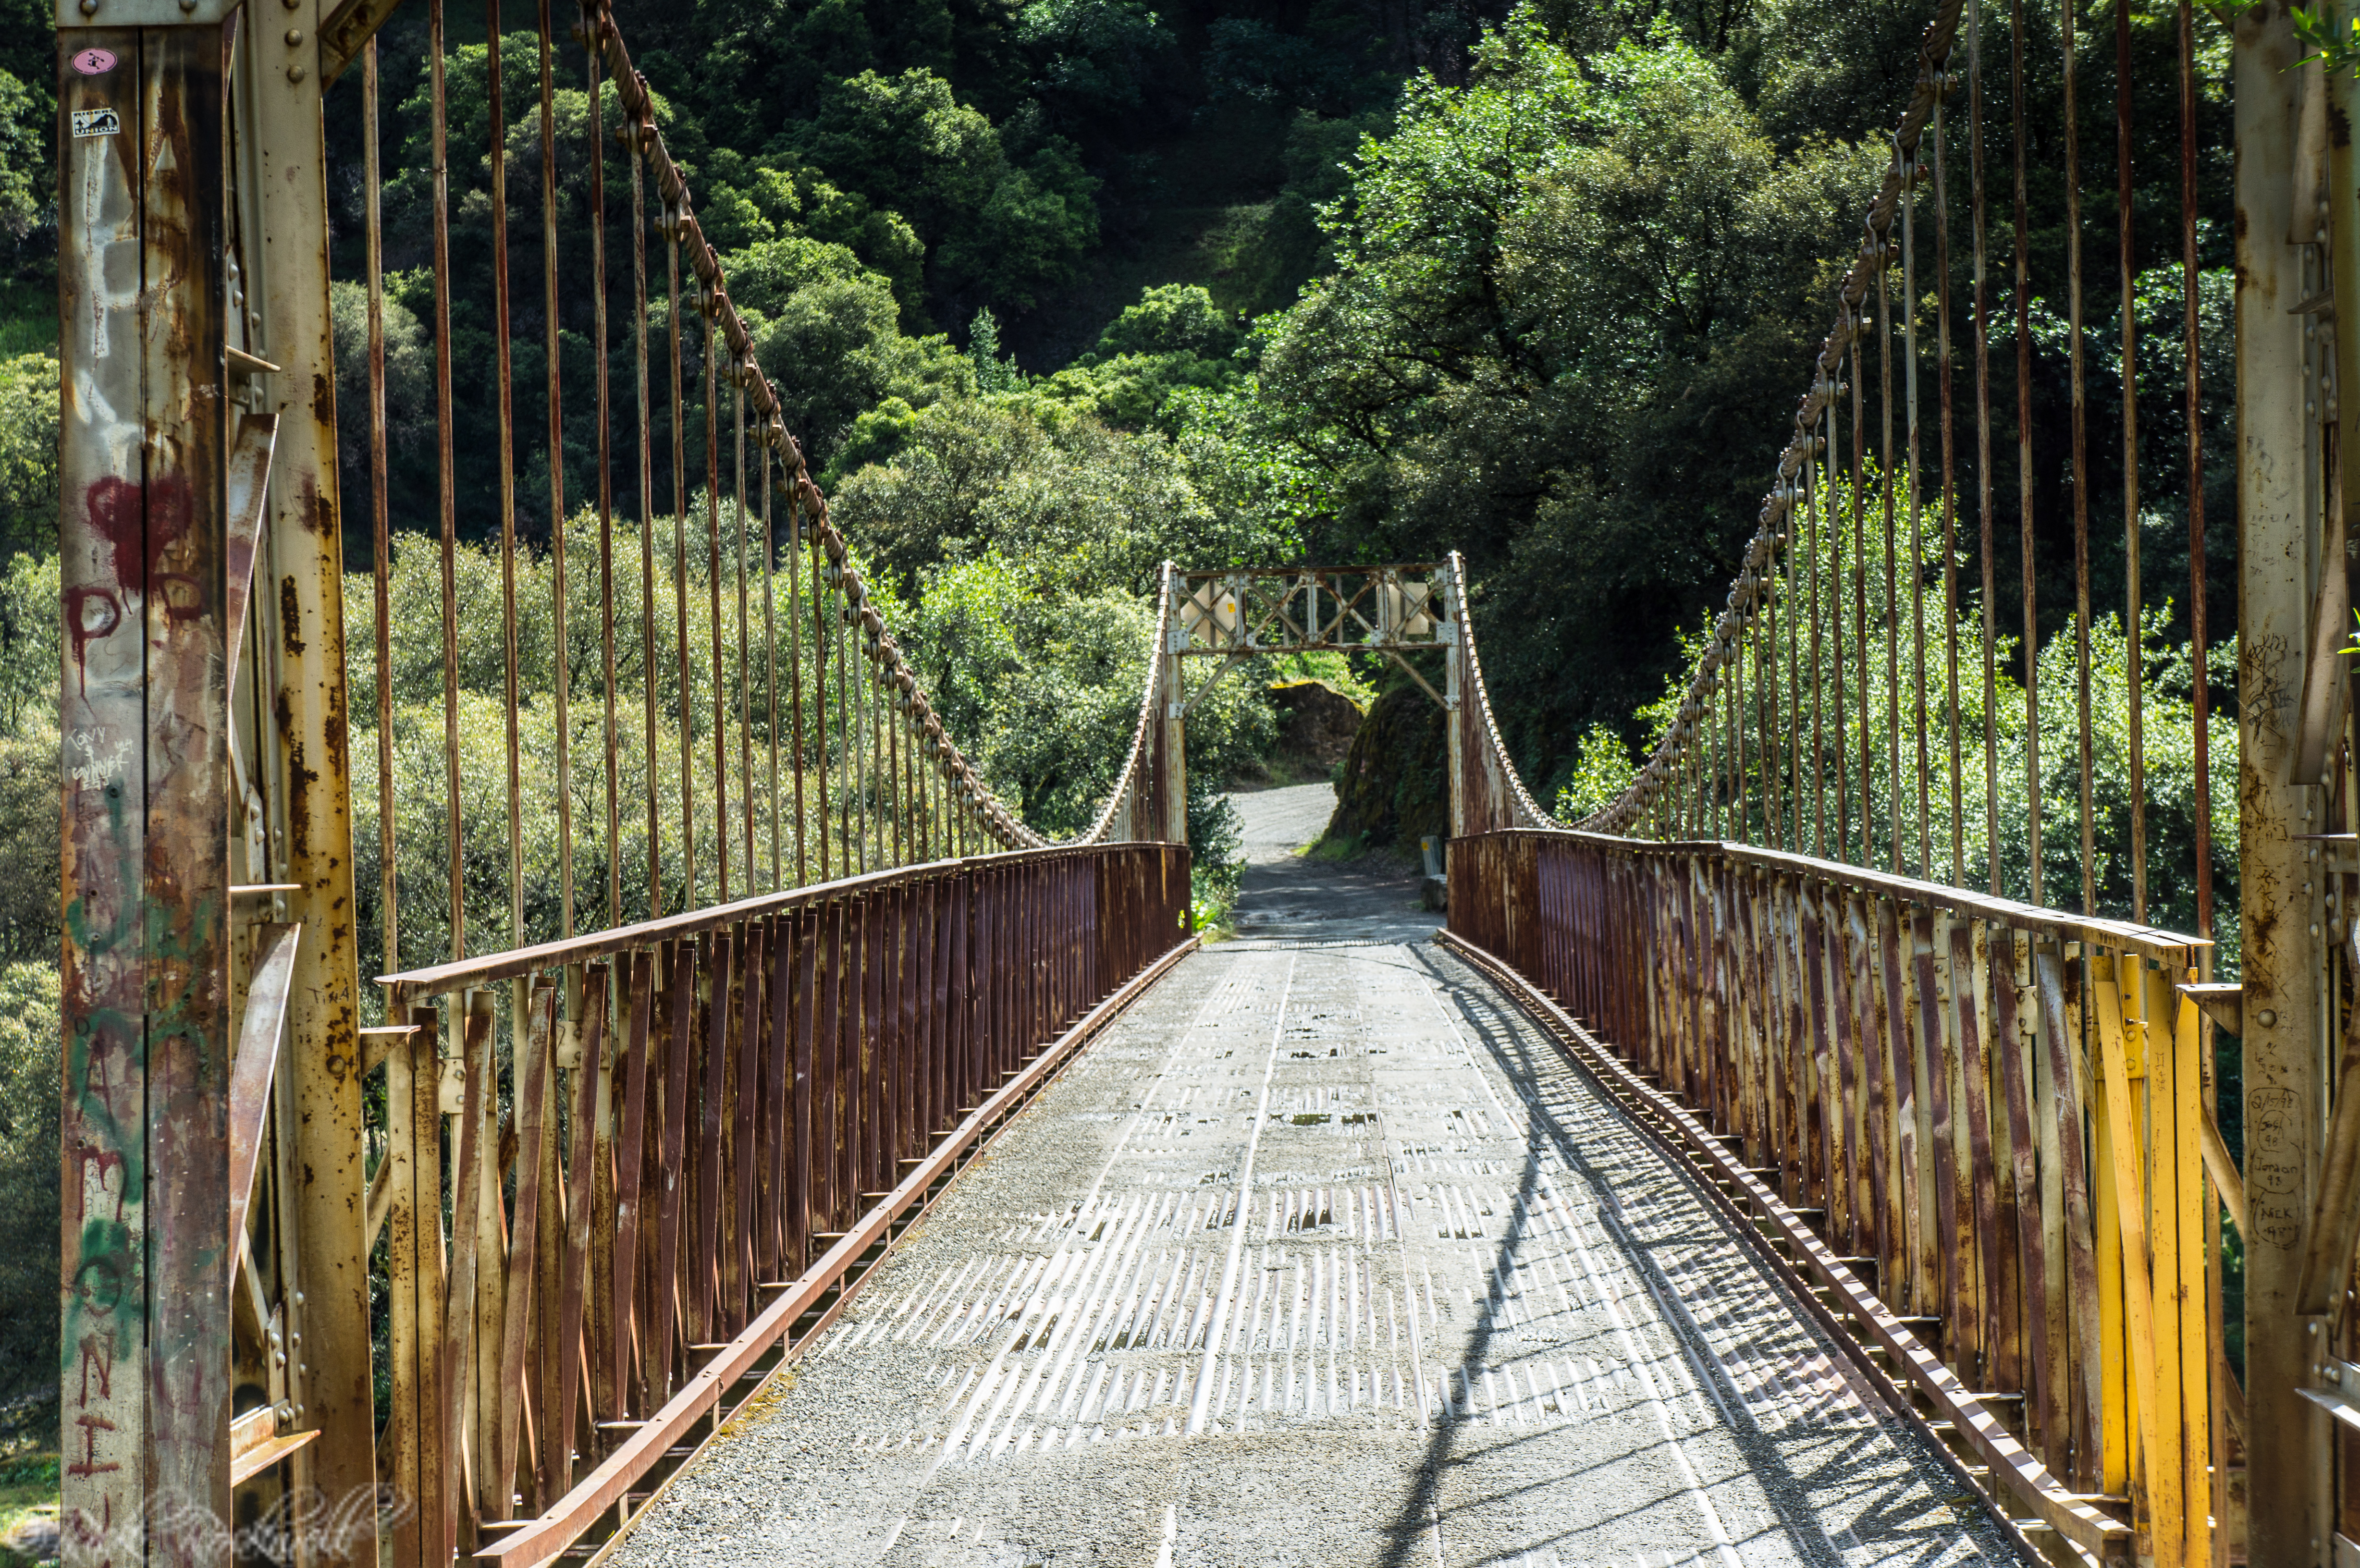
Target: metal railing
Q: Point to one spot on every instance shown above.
(710, 1127)
(1987, 1120)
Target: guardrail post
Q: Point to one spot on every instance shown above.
(2287, 1472)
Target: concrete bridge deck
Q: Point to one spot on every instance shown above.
(1324, 1255)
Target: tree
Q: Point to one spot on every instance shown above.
(1569, 308)
(28, 455)
(29, 1035)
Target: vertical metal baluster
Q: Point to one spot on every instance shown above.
(1711, 723)
(1892, 577)
(893, 695)
(1912, 176)
(2132, 594)
(1766, 707)
(560, 672)
(1858, 397)
(1949, 488)
(770, 649)
(639, 136)
(819, 684)
(708, 306)
(1794, 600)
(1835, 575)
(1987, 541)
(2026, 555)
(1811, 556)
(744, 653)
(842, 751)
(795, 676)
(864, 730)
(673, 215)
(597, 151)
(504, 373)
(2200, 700)
(379, 530)
(446, 498)
(1739, 641)
(863, 669)
(2080, 458)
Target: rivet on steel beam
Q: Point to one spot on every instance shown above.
(294, 74)
(294, 36)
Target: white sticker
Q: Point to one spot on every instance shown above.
(97, 122)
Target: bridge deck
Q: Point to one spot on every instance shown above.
(1322, 1255)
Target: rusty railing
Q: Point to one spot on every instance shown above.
(714, 1123)
(1975, 1125)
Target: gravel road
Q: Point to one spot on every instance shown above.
(1274, 823)
(1321, 1256)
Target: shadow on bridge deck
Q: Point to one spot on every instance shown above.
(1323, 1256)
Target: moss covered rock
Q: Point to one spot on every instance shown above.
(1315, 726)
(1395, 787)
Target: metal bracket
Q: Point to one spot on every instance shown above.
(2336, 1388)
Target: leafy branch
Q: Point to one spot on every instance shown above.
(2317, 33)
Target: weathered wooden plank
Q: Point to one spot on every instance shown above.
(628, 1152)
(2076, 1313)
(1955, 1146)
(716, 1019)
(664, 1282)
(1921, 1143)
(2148, 1388)
(747, 1156)
(472, 1023)
(2193, 1216)
(1898, 1118)
(589, 1192)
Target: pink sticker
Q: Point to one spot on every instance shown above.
(94, 61)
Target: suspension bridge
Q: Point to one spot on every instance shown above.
(838, 1171)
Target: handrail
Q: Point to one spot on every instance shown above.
(486, 969)
(2163, 946)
